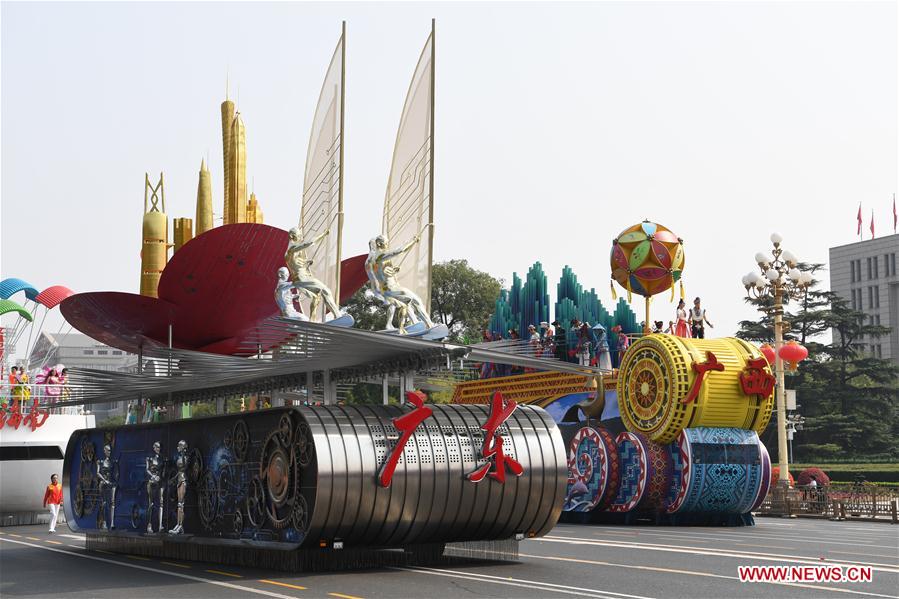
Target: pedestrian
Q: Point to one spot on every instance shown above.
(603, 359)
(698, 320)
(559, 341)
(53, 499)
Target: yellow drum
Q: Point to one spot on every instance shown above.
(668, 383)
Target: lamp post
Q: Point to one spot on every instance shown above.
(778, 279)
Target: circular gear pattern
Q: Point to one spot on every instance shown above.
(240, 440)
(237, 523)
(299, 514)
(256, 503)
(208, 499)
(304, 445)
(88, 450)
(135, 516)
(285, 430)
(195, 466)
(78, 501)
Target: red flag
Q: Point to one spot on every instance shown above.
(859, 231)
(895, 216)
(872, 224)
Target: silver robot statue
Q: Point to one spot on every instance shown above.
(180, 485)
(381, 269)
(105, 472)
(155, 470)
(301, 275)
(284, 296)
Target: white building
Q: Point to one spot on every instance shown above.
(864, 274)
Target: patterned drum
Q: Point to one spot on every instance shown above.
(593, 470)
(668, 383)
(645, 474)
(718, 470)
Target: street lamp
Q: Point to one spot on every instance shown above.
(778, 278)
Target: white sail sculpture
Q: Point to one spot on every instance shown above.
(409, 203)
(322, 210)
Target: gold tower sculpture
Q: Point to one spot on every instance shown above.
(183, 231)
(204, 201)
(154, 252)
(236, 201)
(227, 119)
(254, 212)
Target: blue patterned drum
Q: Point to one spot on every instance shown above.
(718, 470)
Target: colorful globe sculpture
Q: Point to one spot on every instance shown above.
(647, 259)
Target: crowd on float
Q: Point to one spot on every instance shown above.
(51, 384)
(588, 345)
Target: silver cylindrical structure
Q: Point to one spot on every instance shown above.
(430, 498)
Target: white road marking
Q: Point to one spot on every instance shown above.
(76, 537)
(534, 585)
(228, 585)
(717, 552)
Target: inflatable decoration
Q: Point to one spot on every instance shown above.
(647, 259)
(767, 477)
(645, 474)
(11, 306)
(668, 383)
(10, 287)
(718, 470)
(593, 470)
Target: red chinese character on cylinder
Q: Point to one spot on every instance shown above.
(492, 449)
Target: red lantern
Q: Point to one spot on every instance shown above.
(768, 352)
(792, 353)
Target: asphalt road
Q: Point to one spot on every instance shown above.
(616, 562)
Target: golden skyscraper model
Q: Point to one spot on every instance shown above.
(154, 252)
(254, 212)
(204, 201)
(183, 231)
(227, 119)
(236, 200)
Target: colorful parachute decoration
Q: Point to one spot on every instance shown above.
(11, 286)
(7, 306)
(48, 299)
(647, 259)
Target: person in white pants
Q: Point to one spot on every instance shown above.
(53, 499)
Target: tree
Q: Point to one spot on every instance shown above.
(462, 298)
(849, 398)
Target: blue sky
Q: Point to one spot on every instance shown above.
(558, 125)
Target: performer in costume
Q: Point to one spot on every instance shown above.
(155, 469)
(698, 320)
(380, 259)
(180, 485)
(284, 296)
(303, 279)
(680, 328)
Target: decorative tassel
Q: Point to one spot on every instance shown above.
(682, 289)
(614, 295)
(629, 290)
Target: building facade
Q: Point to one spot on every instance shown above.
(76, 350)
(864, 274)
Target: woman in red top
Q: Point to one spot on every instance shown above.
(53, 498)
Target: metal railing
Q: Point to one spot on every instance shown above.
(48, 395)
(837, 501)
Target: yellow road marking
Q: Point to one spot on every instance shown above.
(224, 573)
(75, 546)
(141, 558)
(33, 538)
(174, 564)
(12, 534)
(344, 596)
(284, 584)
(54, 542)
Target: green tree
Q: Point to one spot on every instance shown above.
(848, 397)
(463, 299)
(369, 313)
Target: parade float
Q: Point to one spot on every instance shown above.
(252, 312)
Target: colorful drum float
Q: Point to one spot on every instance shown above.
(310, 477)
(668, 383)
(719, 470)
(645, 474)
(593, 470)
